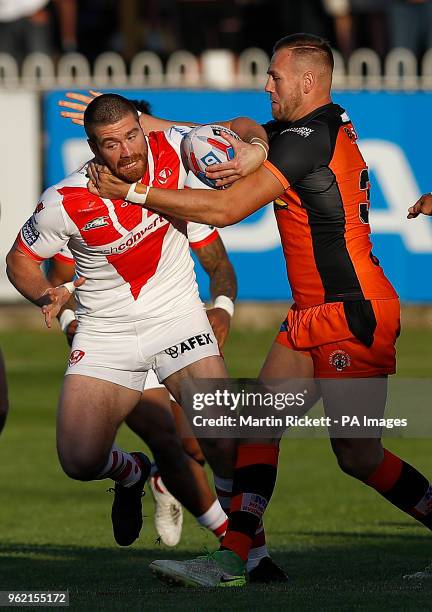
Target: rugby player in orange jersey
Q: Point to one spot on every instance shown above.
(345, 319)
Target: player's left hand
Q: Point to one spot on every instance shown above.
(104, 184)
(422, 206)
(247, 158)
(56, 298)
(220, 321)
(77, 103)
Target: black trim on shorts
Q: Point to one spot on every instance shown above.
(360, 316)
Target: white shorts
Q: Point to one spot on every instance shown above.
(123, 353)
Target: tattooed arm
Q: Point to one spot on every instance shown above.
(223, 282)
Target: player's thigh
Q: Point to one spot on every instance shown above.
(220, 451)
(184, 431)
(91, 410)
(284, 362)
(151, 412)
(153, 421)
(295, 370)
(212, 367)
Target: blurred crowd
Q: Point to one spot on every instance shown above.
(163, 26)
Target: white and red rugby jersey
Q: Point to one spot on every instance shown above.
(137, 263)
(199, 235)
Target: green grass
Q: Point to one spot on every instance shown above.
(344, 546)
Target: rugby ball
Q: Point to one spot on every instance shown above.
(204, 146)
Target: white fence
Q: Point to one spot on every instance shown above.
(215, 68)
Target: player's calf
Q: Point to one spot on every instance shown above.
(358, 457)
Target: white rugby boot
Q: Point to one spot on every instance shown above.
(168, 512)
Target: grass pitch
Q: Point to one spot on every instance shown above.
(344, 546)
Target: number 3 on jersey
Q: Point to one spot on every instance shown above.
(364, 206)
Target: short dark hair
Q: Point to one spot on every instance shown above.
(304, 44)
(142, 106)
(106, 109)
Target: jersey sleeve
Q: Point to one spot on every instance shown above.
(45, 233)
(176, 133)
(200, 235)
(65, 256)
(297, 151)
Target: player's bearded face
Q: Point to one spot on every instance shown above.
(123, 148)
(287, 102)
(131, 168)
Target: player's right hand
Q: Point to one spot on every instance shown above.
(79, 107)
(247, 158)
(57, 296)
(422, 206)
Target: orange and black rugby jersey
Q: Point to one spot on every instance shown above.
(323, 214)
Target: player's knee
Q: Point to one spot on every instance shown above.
(220, 455)
(193, 449)
(80, 467)
(356, 461)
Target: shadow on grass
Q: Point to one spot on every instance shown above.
(336, 569)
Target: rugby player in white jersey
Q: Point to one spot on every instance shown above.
(138, 309)
(159, 421)
(260, 566)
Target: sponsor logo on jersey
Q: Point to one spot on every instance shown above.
(39, 207)
(76, 356)
(301, 131)
(96, 223)
(29, 232)
(340, 360)
(135, 238)
(189, 345)
(164, 175)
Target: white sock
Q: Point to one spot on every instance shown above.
(257, 553)
(214, 519)
(122, 467)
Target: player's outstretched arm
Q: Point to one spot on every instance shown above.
(223, 285)
(250, 151)
(77, 103)
(213, 207)
(27, 277)
(422, 206)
